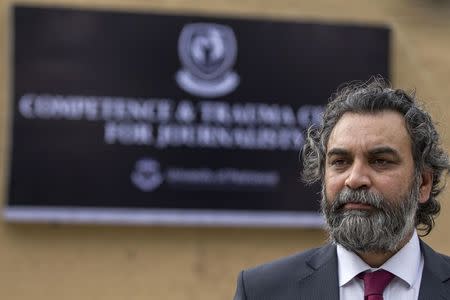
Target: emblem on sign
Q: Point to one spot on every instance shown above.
(207, 53)
(146, 175)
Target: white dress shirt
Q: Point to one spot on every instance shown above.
(406, 265)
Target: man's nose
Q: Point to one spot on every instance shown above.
(358, 176)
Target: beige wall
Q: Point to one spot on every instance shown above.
(94, 262)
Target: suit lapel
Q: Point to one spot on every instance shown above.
(436, 271)
(320, 281)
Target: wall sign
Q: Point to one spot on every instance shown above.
(169, 119)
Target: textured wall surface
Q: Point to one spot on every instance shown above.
(94, 262)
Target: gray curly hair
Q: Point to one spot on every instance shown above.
(374, 96)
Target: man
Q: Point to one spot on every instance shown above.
(378, 156)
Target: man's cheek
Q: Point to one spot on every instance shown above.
(330, 194)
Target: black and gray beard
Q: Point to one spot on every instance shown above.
(380, 229)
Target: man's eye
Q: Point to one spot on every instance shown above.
(338, 162)
(381, 162)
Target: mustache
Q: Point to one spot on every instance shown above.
(362, 196)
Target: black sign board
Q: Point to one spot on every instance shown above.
(172, 119)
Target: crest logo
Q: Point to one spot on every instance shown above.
(207, 53)
(147, 175)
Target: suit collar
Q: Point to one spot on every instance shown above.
(324, 255)
(320, 278)
(439, 266)
(436, 272)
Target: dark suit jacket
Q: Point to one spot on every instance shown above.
(313, 275)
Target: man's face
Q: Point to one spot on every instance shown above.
(370, 196)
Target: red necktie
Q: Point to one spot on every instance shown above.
(375, 283)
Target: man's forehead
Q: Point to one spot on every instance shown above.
(384, 128)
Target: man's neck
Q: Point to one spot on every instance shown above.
(376, 259)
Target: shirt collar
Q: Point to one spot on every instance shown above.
(404, 264)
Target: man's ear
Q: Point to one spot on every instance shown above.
(425, 186)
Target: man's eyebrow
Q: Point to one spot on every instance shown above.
(374, 151)
(337, 151)
(384, 150)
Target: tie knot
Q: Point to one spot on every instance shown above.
(375, 282)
